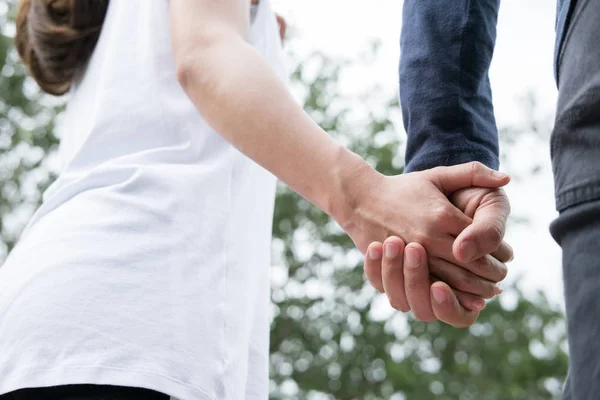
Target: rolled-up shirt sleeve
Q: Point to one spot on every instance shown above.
(445, 94)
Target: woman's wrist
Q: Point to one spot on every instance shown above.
(353, 179)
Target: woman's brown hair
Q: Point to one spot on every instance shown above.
(57, 37)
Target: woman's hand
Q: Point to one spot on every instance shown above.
(406, 275)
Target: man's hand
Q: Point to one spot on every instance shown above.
(409, 278)
(489, 209)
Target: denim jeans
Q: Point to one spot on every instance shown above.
(575, 150)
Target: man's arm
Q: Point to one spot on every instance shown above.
(446, 98)
(446, 51)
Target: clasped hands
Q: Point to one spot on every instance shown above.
(443, 251)
(433, 240)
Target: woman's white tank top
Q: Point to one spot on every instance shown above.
(148, 262)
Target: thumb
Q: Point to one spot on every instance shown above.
(451, 179)
(484, 236)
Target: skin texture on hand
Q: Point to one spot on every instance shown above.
(489, 209)
(417, 287)
(404, 276)
(415, 207)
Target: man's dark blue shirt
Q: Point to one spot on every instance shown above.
(446, 51)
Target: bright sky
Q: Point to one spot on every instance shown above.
(522, 64)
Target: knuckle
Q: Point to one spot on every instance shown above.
(503, 271)
(412, 286)
(443, 213)
(487, 291)
(423, 239)
(478, 286)
(476, 167)
(398, 305)
(480, 264)
(502, 198)
(466, 283)
(495, 271)
(495, 234)
(486, 266)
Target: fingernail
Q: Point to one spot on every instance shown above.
(374, 254)
(391, 250)
(478, 304)
(498, 290)
(439, 295)
(467, 249)
(500, 175)
(412, 258)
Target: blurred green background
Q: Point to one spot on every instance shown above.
(332, 335)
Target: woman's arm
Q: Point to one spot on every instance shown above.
(241, 97)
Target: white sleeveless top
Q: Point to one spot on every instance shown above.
(148, 263)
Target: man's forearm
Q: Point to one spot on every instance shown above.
(446, 51)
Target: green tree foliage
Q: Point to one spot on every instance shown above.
(27, 138)
(332, 336)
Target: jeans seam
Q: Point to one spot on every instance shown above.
(577, 195)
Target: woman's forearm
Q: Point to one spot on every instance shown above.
(242, 98)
